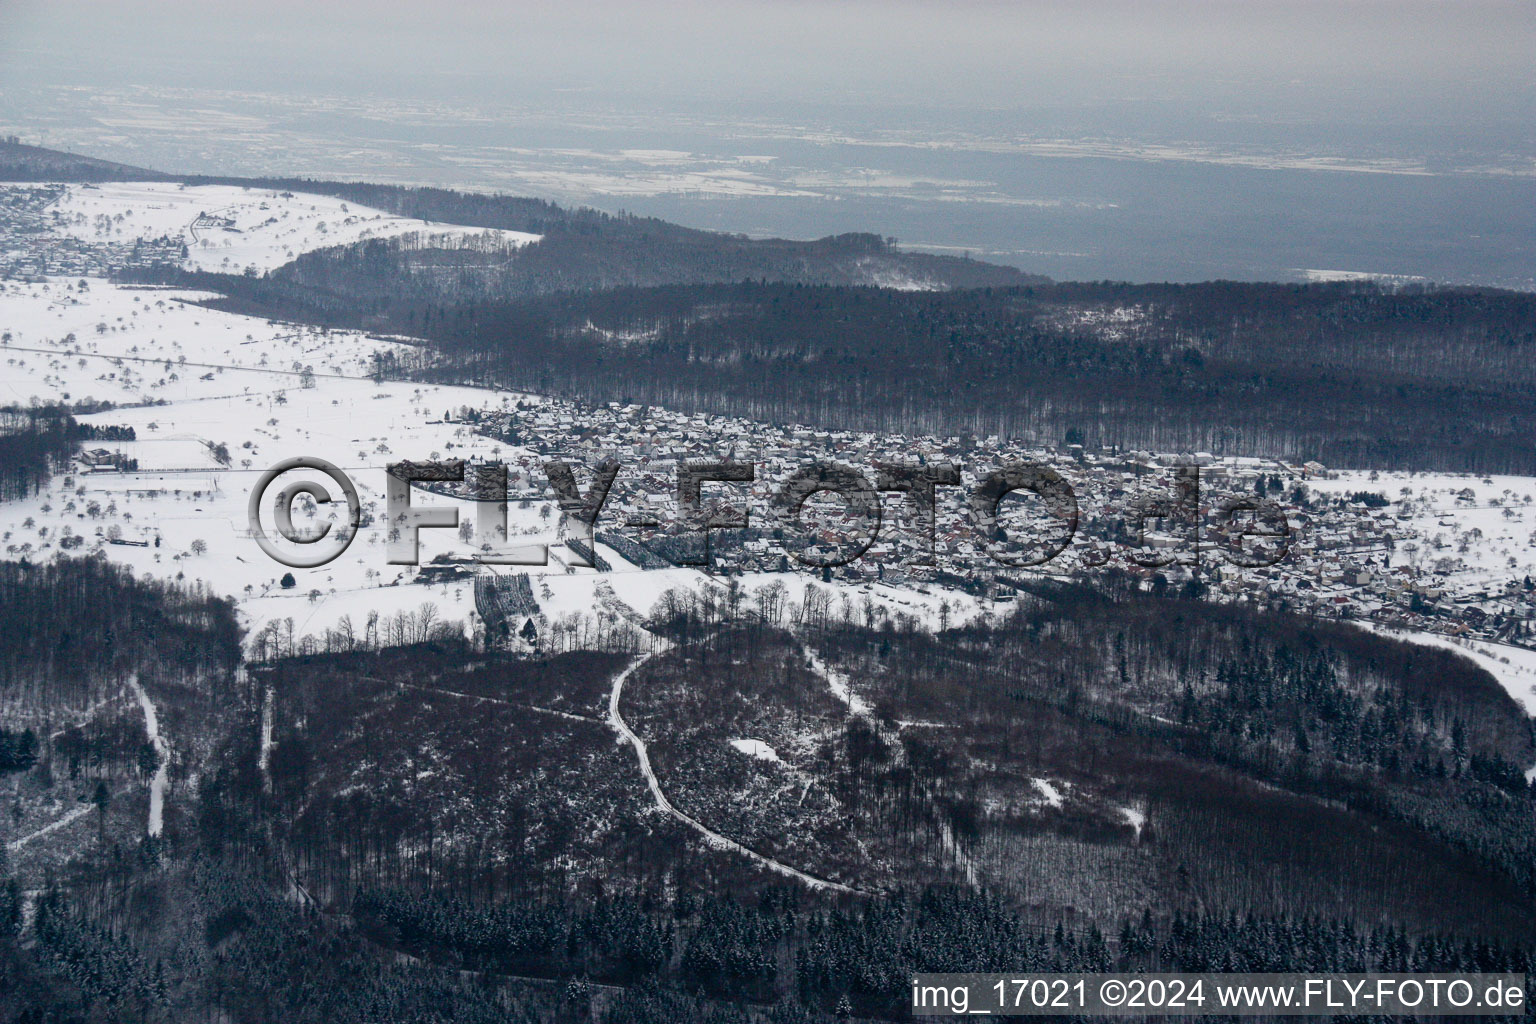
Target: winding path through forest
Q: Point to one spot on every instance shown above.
(713, 838)
(53, 826)
(162, 758)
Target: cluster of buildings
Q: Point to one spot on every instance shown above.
(1165, 520)
(32, 248)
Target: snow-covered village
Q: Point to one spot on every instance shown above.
(211, 399)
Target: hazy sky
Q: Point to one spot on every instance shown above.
(1086, 138)
(1257, 56)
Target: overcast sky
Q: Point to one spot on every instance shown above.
(1260, 56)
(1146, 139)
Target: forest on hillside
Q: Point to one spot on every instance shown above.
(1109, 780)
(580, 248)
(76, 627)
(1349, 374)
(850, 331)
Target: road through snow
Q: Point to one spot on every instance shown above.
(162, 757)
(712, 837)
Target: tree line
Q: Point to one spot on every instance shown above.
(1346, 374)
(35, 443)
(76, 627)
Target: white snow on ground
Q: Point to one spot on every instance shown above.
(1324, 276)
(1513, 667)
(757, 749)
(62, 342)
(837, 682)
(1051, 793)
(952, 849)
(264, 751)
(1492, 517)
(260, 415)
(68, 819)
(240, 382)
(478, 699)
(927, 606)
(162, 755)
(84, 716)
(1135, 818)
(200, 386)
(229, 229)
(900, 280)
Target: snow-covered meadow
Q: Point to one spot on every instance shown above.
(198, 385)
(82, 340)
(231, 229)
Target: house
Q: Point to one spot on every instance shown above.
(98, 459)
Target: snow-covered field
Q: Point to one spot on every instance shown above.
(78, 340)
(1476, 531)
(229, 229)
(192, 383)
(215, 398)
(181, 496)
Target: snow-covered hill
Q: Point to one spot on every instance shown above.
(77, 340)
(231, 229)
(193, 383)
